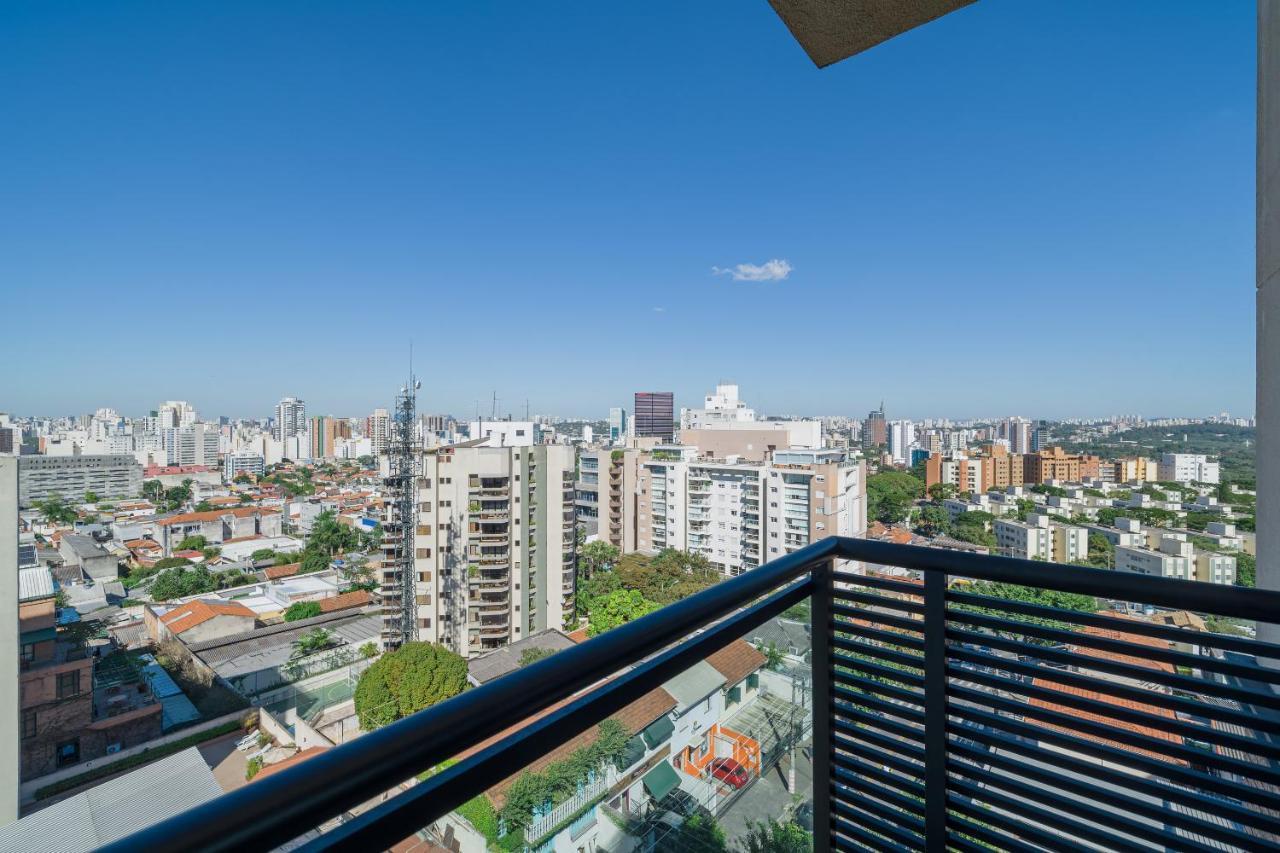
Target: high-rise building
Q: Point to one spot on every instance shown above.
(194, 444)
(494, 545)
(325, 432)
(654, 415)
(1187, 468)
(617, 426)
(902, 437)
(291, 419)
(1017, 431)
(874, 433)
(175, 413)
(740, 514)
(377, 428)
(721, 407)
(605, 496)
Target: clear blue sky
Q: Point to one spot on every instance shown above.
(1034, 207)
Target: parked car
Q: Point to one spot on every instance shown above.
(728, 770)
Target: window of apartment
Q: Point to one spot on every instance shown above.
(69, 751)
(425, 482)
(28, 652)
(68, 686)
(28, 725)
(424, 553)
(444, 481)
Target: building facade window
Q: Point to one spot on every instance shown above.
(28, 724)
(69, 685)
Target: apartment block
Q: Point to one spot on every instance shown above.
(193, 444)
(1187, 468)
(604, 495)
(1174, 558)
(494, 547)
(741, 514)
(1039, 538)
(958, 470)
(108, 476)
(235, 464)
(291, 418)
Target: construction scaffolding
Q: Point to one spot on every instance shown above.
(399, 608)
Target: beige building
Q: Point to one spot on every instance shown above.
(604, 495)
(741, 514)
(1039, 538)
(494, 549)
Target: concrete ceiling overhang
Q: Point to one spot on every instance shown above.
(832, 30)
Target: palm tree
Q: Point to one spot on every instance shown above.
(313, 641)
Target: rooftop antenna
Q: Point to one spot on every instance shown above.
(400, 614)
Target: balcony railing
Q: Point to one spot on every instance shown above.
(948, 713)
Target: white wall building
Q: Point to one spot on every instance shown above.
(1039, 538)
(494, 545)
(506, 433)
(721, 407)
(902, 437)
(291, 419)
(1187, 468)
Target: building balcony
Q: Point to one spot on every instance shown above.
(938, 714)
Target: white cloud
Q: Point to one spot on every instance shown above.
(774, 270)
(659, 310)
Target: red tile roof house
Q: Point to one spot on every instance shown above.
(198, 621)
(219, 525)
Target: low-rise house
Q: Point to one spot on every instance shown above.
(87, 554)
(499, 662)
(200, 620)
(218, 525)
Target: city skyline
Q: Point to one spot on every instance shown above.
(233, 241)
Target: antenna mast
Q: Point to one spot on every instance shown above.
(399, 607)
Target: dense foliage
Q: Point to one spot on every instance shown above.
(559, 780)
(891, 494)
(636, 584)
(302, 610)
(774, 836)
(181, 582)
(404, 681)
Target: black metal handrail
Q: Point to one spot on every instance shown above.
(282, 807)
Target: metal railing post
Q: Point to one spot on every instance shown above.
(823, 709)
(935, 711)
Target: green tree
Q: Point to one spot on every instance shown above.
(313, 561)
(942, 491)
(773, 836)
(192, 543)
(596, 556)
(153, 490)
(774, 656)
(1102, 552)
(331, 537)
(369, 650)
(700, 833)
(181, 582)
(618, 608)
(535, 654)
(91, 497)
(1246, 569)
(203, 506)
(57, 511)
(404, 681)
(170, 562)
(302, 610)
(262, 554)
(315, 640)
(934, 521)
(890, 495)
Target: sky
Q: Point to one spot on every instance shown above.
(1031, 207)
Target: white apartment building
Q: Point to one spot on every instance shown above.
(1174, 558)
(378, 430)
(506, 433)
(175, 413)
(741, 514)
(235, 464)
(1212, 567)
(902, 437)
(1041, 538)
(721, 407)
(1187, 468)
(494, 547)
(195, 444)
(291, 419)
(1016, 431)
